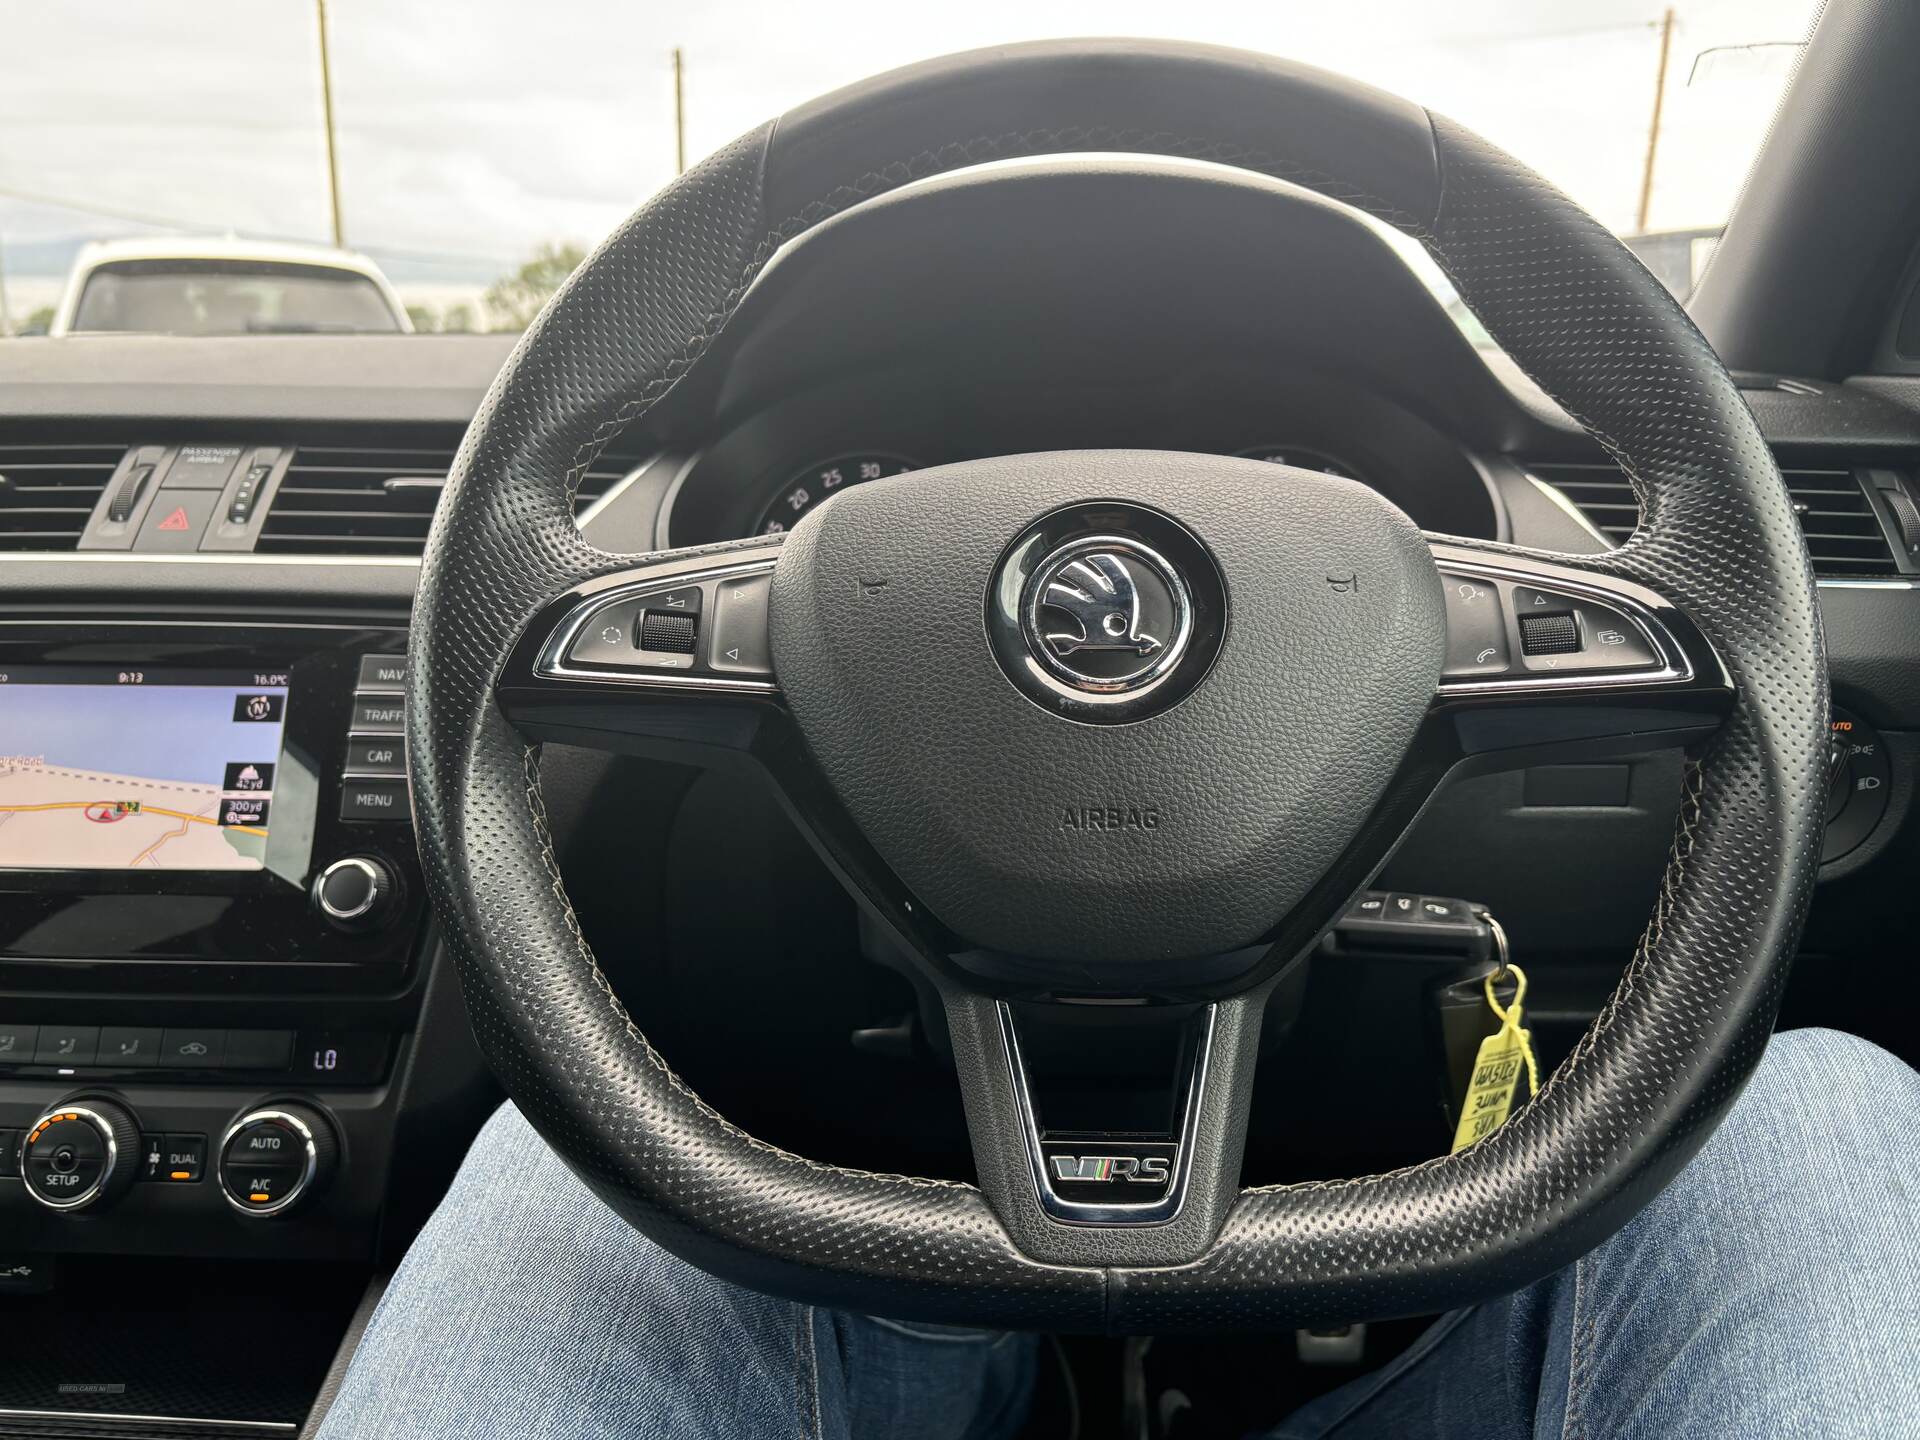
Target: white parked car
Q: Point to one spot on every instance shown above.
(229, 286)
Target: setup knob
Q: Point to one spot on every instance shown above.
(276, 1157)
(356, 893)
(79, 1154)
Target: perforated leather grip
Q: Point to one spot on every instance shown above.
(1565, 300)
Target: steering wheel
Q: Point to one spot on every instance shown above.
(1092, 726)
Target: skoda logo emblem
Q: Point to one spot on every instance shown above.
(1107, 615)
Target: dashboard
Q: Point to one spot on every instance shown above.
(212, 914)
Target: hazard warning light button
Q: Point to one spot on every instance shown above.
(177, 519)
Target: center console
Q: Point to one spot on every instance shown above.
(212, 936)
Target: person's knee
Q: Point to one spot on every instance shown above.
(1827, 1123)
(1849, 1088)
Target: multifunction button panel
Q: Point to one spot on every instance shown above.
(374, 779)
(708, 629)
(1503, 630)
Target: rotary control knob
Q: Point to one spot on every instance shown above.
(356, 893)
(276, 1157)
(80, 1154)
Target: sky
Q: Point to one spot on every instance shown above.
(471, 133)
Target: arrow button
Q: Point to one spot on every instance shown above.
(740, 640)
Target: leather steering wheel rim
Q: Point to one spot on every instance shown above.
(1573, 309)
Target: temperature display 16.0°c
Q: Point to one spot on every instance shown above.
(819, 482)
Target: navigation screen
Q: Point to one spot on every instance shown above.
(105, 769)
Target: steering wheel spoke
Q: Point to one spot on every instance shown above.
(671, 653)
(1546, 653)
(1107, 1134)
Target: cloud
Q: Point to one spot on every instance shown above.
(478, 130)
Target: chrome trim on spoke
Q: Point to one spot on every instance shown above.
(1080, 1212)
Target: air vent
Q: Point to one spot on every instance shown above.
(353, 500)
(1843, 533)
(47, 492)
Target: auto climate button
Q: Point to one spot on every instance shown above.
(274, 1158)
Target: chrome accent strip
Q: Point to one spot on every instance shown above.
(1675, 668)
(252, 1117)
(133, 557)
(1080, 1212)
(116, 1417)
(552, 662)
(1868, 584)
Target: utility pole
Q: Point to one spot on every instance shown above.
(326, 102)
(1653, 133)
(679, 112)
(6, 325)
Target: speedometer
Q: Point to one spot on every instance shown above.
(817, 482)
(1303, 457)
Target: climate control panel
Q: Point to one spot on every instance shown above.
(89, 1151)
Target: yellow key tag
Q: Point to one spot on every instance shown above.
(1504, 1056)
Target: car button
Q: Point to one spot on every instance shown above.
(374, 755)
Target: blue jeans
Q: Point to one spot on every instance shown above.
(1772, 1290)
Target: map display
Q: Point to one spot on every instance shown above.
(131, 769)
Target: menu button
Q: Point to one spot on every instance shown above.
(374, 800)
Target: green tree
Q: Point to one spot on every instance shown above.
(513, 300)
(457, 319)
(424, 318)
(38, 321)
